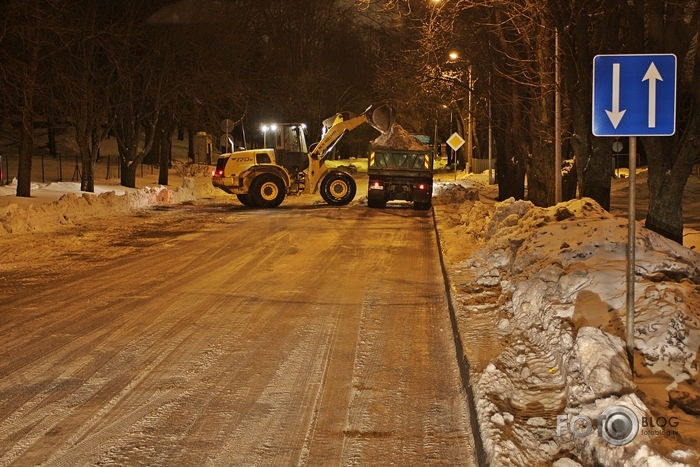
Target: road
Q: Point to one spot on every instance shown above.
(217, 335)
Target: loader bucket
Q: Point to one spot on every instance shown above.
(381, 117)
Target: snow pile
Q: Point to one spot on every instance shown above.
(540, 304)
(74, 205)
(451, 193)
(399, 139)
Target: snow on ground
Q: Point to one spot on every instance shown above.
(62, 203)
(540, 301)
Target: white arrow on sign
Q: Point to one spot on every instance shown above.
(616, 115)
(652, 75)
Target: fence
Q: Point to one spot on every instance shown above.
(481, 165)
(47, 169)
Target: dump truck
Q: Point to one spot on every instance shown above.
(264, 177)
(400, 168)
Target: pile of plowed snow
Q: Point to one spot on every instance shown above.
(540, 304)
(399, 139)
(72, 207)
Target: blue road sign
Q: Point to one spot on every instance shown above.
(634, 95)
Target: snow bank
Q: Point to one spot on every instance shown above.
(74, 205)
(540, 303)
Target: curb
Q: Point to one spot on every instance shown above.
(462, 362)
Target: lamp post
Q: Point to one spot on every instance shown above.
(453, 57)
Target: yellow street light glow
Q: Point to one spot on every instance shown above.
(454, 55)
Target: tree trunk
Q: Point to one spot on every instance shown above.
(668, 176)
(540, 167)
(153, 155)
(190, 144)
(665, 215)
(26, 147)
(592, 155)
(180, 132)
(165, 145)
(87, 179)
(128, 174)
(510, 160)
(569, 181)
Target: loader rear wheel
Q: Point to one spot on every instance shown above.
(338, 188)
(246, 200)
(267, 191)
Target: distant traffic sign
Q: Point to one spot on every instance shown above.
(455, 141)
(634, 95)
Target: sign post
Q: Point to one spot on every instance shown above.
(455, 141)
(620, 85)
(631, 236)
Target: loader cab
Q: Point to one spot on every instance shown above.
(289, 142)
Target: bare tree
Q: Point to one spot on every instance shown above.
(86, 77)
(657, 26)
(140, 92)
(30, 38)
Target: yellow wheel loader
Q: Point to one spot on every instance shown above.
(263, 177)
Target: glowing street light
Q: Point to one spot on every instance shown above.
(265, 129)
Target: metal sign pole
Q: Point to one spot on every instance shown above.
(631, 219)
(456, 164)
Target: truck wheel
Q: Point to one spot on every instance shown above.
(376, 203)
(422, 206)
(267, 191)
(246, 200)
(338, 188)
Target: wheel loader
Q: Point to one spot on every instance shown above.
(286, 165)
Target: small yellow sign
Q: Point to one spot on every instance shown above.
(455, 141)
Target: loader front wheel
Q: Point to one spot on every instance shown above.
(338, 188)
(267, 191)
(246, 200)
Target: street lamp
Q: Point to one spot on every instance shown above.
(265, 129)
(454, 56)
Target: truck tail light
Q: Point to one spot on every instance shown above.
(421, 186)
(375, 184)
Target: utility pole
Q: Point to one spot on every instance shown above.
(557, 122)
(470, 119)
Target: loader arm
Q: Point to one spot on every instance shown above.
(380, 117)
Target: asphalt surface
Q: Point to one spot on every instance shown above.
(218, 335)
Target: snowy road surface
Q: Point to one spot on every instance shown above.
(223, 336)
